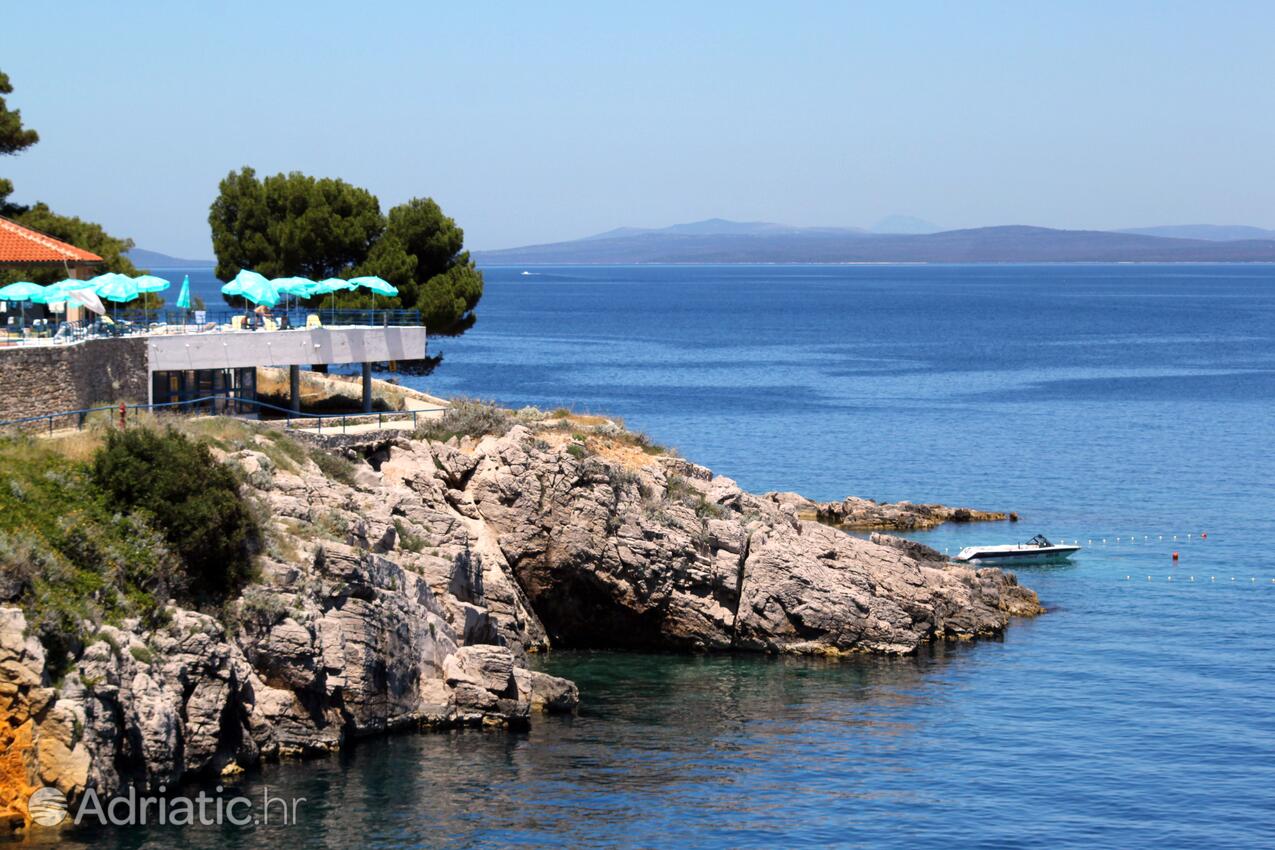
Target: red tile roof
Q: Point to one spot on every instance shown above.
(20, 244)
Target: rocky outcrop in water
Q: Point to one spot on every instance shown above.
(407, 589)
(855, 514)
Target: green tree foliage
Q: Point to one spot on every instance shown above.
(190, 498)
(14, 138)
(69, 558)
(445, 285)
(293, 224)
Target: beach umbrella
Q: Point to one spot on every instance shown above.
(331, 285)
(376, 285)
(79, 291)
(252, 287)
(150, 283)
(23, 290)
(119, 288)
(297, 287)
(183, 297)
(57, 293)
(300, 286)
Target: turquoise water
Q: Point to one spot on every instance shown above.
(1097, 401)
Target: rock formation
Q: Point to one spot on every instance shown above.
(408, 591)
(855, 514)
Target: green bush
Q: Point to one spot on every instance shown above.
(190, 498)
(335, 467)
(69, 562)
(466, 417)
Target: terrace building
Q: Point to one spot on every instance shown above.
(175, 357)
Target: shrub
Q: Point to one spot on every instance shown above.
(66, 560)
(407, 540)
(142, 654)
(190, 498)
(259, 608)
(466, 417)
(334, 466)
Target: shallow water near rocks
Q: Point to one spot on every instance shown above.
(1100, 402)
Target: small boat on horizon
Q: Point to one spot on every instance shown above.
(1038, 550)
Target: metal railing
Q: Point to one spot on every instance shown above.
(209, 406)
(131, 322)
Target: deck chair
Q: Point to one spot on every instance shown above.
(312, 321)
(269, 324)
(237, 322)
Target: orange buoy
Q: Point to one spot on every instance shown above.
(1175, 556)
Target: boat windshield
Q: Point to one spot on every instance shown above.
(1039, 540)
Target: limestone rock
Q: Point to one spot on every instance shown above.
(412, 597)
(865, 514)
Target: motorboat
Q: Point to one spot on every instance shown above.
(1038, 550)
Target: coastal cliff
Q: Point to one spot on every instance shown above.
(408, 578)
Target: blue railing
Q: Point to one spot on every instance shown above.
(132, 321)
(221, 405)
(289, 317)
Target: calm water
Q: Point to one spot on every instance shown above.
(1098, 401)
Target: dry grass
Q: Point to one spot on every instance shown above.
(588, 420)
(77, 446)
(605, 448)
(223, 432)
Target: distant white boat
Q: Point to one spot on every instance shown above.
(1038, 550)
(526, 274)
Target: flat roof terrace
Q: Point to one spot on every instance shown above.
(48, 376)
(298, 347)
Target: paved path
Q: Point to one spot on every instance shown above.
(399, 423)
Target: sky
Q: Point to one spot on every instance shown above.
(537, 122)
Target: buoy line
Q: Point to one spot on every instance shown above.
(1211, 579)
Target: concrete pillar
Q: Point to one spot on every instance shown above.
(367, 387)
(294, 387)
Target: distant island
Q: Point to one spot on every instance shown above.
(722, 241)
(144, 259)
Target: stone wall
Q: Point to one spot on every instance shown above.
(52, 378)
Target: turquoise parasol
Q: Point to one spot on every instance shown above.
(252, 287)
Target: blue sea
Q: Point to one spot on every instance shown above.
(1129, 407)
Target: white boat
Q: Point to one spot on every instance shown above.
(1038, 550)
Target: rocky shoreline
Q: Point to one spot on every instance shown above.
(405, 586)
(856, 514)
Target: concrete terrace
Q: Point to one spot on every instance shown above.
(161, 366)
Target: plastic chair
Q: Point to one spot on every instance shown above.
(312, 321)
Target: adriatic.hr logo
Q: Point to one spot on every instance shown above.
(48, 807)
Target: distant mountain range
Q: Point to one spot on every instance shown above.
(1210, 232)
(722, 241)
(144, 259)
